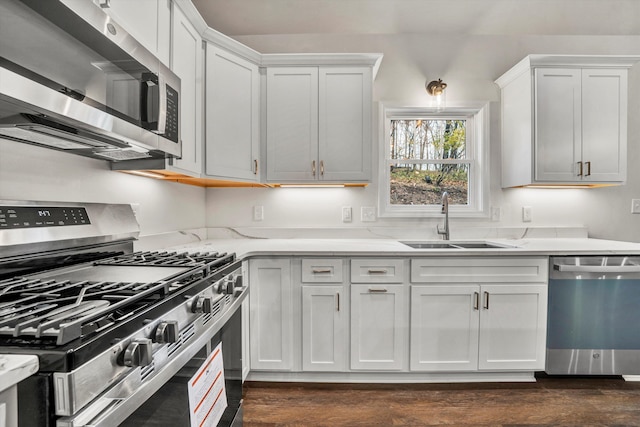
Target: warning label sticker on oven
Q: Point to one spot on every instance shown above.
(207, 394)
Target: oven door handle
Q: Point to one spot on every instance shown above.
(597, 268)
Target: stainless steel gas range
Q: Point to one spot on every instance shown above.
(117, 333)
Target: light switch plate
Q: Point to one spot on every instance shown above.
(258, 213)
(346, 214)
(635, 206)
(526, 214)
(496, 214)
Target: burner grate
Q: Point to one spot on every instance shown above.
(62, 306)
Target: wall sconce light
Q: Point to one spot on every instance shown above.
(436, 89)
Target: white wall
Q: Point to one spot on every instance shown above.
(469, 64)
(33, 173)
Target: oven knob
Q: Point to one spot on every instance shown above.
(138, 353)
(201, 305)
(166, 332)
(229, 284)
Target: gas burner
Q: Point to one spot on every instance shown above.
(165, 259)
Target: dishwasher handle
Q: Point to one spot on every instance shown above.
(597, 268)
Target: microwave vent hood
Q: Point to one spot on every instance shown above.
(38, 130)
(67, 83)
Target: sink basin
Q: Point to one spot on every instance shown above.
(430, 245)
(454, 245)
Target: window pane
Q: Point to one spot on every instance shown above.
(427, 139)
(423, 184)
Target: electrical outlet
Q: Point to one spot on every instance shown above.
(496, 214)
(526, 214)
(346, 214)
(258, 213)
(635, 206)
(368, 214)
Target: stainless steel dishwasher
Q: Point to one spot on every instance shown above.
(594, 316)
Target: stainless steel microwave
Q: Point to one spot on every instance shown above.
(72, 79)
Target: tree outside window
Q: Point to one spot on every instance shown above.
(426, 153)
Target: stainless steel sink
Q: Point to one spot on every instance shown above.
(455, 245)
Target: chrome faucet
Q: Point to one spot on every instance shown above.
(445, 211)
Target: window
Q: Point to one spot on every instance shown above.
(427, 153)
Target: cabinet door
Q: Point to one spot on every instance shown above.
(557, 124)
(270, 315)
(444, 328)
(344, 139)
(513, 324)
(323, 328)
(292, 124)
(148, 21)
(186, 62)
(377, 325)
(233, 116)
(604, 124)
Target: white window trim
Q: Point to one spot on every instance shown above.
(478, 124)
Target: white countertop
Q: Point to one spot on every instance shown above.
(16, 367)
(251, 247)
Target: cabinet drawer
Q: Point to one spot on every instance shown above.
(321, 270)
(479, 270)
(377, 270)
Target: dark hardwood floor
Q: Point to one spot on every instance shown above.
(552, 401)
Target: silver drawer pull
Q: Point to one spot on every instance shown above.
(381, 271)
(377, 290)
(321, 271)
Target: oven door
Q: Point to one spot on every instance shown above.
(169, 406)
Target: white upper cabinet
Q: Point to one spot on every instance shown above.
(292, 124)
(186, 62)
(318, 124)
(344, 124)
(232, 116)
(564, 120)
(148, 21)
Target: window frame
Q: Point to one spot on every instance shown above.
(477, 156)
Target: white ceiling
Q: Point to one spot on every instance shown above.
(456, 17)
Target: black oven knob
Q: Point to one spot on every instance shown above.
(166, 332)
(229, 284)
(138, 353)
(202, 305)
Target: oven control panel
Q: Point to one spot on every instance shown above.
(41, 216)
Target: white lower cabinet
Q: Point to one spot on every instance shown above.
(513, 327)
(492, 316)
(271, 320)
(471, 327)
(374, 319)
(324, 328)
(378, 323)
(444, 328)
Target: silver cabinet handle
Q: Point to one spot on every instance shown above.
(381, 271)
(321, 167)
(321, 271)
(486, 300)
(337, 301)
(313, 168)
(377, 290)
(476, 300)
(255, 166)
